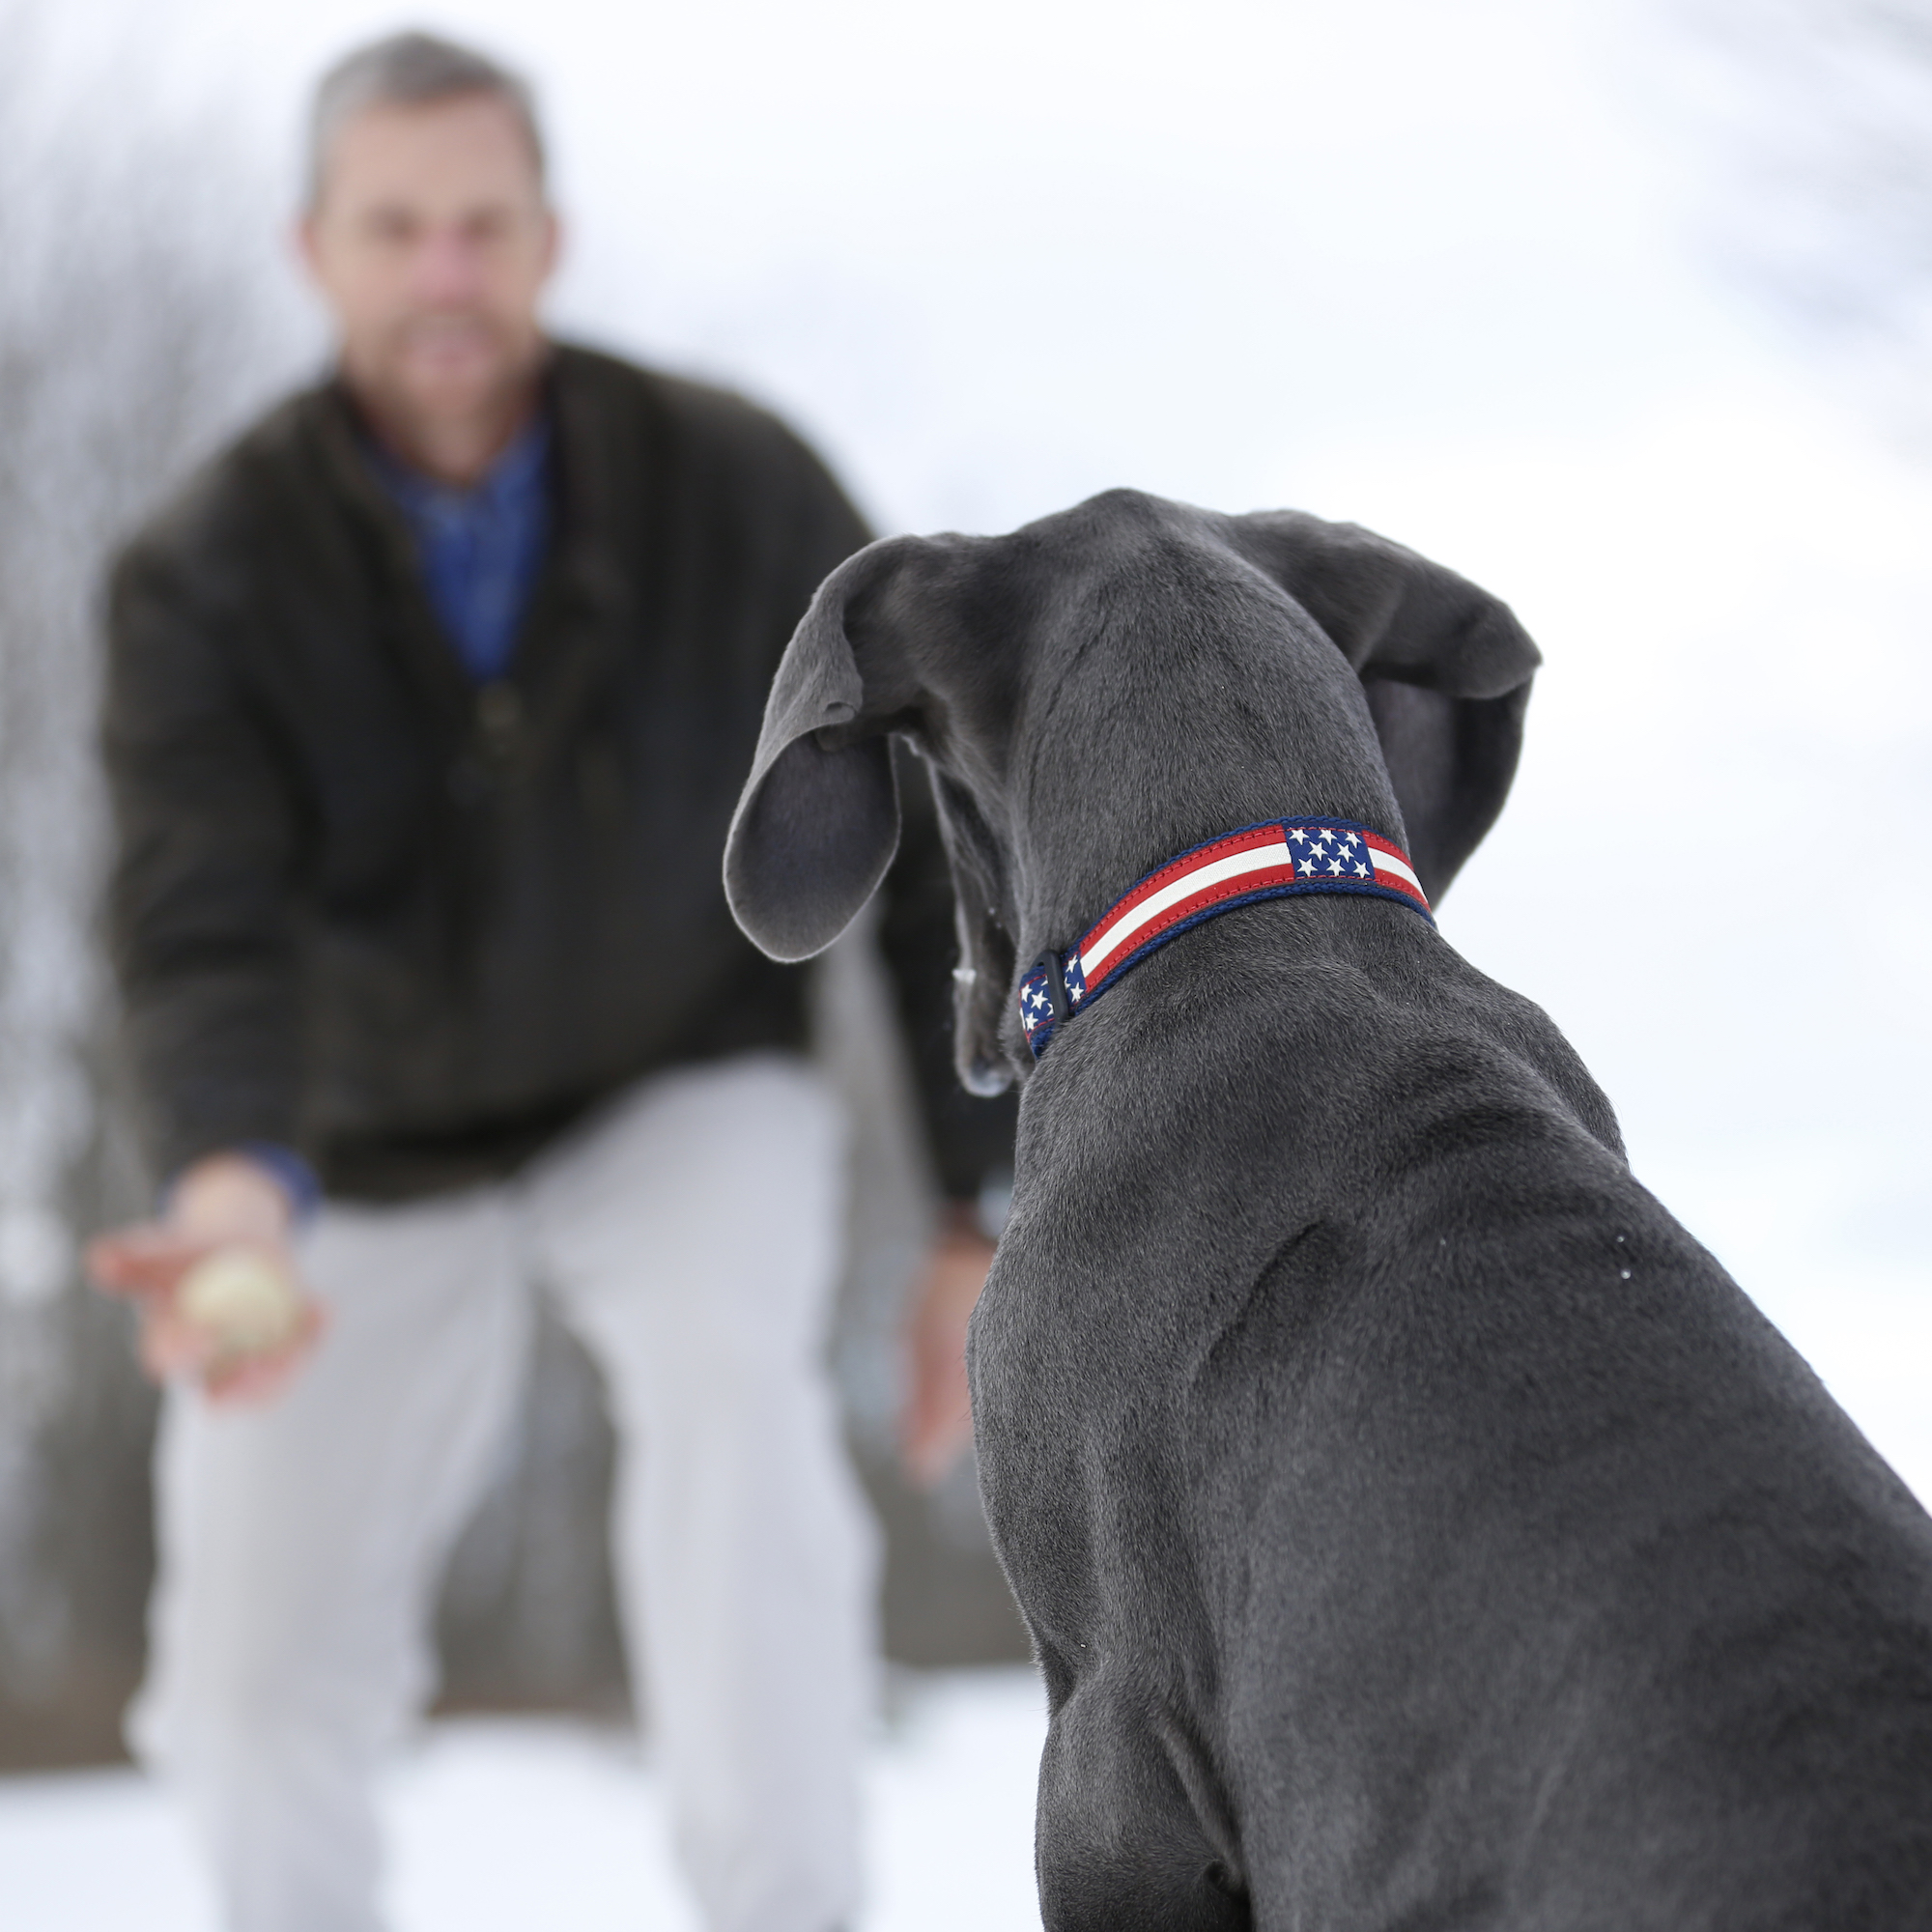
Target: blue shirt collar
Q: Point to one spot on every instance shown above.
(513, 479)
(479, 550)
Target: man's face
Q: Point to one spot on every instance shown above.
(431, 242)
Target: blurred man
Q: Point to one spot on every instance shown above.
(428, 704)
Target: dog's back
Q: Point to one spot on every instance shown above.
(1444, 1553)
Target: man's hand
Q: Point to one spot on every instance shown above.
(226, 1205)
(937, 1421)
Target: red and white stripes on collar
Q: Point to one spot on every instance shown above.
(1258, 861)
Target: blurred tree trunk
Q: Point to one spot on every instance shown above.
(1815, 118)
(128, 338)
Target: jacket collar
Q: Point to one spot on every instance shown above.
(573, 628)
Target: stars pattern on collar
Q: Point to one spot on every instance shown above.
(1271, 860)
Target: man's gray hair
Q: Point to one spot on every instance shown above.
(411, 71)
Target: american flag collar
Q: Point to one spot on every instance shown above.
(1258, 861)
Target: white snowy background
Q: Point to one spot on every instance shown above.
(1497, 279)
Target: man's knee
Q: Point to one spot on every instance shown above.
(257, 1721)
(246, 1673)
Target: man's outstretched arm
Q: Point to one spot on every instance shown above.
(200, 920)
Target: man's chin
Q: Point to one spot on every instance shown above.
(419, 392)
(446, 386)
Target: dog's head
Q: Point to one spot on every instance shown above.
(1098, 691)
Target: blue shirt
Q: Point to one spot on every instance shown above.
(480, 548)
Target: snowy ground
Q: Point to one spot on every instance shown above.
(503, 1823)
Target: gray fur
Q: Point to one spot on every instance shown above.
(1417, 1529)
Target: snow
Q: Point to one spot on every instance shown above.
(503, 1823)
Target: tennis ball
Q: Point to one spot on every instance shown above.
(241, 1301)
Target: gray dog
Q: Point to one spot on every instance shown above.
(1417, 1529)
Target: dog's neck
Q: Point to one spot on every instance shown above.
(1284, 733)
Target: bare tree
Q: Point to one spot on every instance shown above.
(1817, 116)
(129, 339)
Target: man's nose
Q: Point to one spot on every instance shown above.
(448, 265)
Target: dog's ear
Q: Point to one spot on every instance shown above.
(1446, 669)
(818, 821)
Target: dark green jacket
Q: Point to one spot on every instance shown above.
(412, 927)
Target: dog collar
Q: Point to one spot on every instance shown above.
(1258, 861)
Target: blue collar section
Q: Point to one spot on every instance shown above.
(1257, 862)
(480, 548)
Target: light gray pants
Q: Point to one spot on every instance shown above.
(690, 1236)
